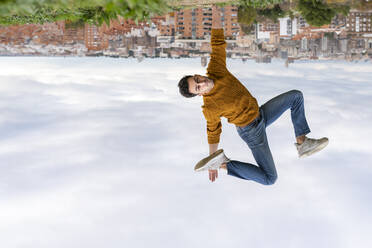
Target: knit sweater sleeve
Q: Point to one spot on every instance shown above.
(217, 63)
(214, 127)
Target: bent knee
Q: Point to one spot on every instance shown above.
(297, 93)
(271, 180)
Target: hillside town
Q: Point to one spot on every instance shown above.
(186, 34)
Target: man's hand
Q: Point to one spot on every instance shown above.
(213, 174)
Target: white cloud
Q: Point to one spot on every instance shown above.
(99, 152)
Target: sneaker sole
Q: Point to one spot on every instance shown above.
(317, 149)
(200, 165)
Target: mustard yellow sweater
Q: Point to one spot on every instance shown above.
(228, 98)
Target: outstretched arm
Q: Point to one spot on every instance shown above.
(218, 49)
(213, 131)
(217, 64)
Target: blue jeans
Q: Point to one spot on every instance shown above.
(254, 134)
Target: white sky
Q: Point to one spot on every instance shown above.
(99, 152)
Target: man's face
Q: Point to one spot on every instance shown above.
(200, 85)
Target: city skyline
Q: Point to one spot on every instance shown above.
(186, 33)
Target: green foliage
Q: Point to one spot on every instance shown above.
(74, 24)
(342, 9)
(250, 11)
(362, 5)
(246, 15)
(247, 29)
(224, 4)
(291, 14)
(93, 11)
(260, 4)
(315, 12)
(272, 13)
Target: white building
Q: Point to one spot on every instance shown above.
(262, 35)
(287, 27)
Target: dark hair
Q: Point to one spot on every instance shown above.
(183, 86)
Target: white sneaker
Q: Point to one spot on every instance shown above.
(212, 162)
(311, 146)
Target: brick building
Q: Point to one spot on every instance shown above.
(94, 38)
(123, 26)
(73, 33)
(197, 23)
(165, 24)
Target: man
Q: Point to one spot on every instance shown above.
(224, 96)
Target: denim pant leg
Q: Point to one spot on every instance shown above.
(294, 100)
(255, 136)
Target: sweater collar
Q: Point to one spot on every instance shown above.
(214, 89)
